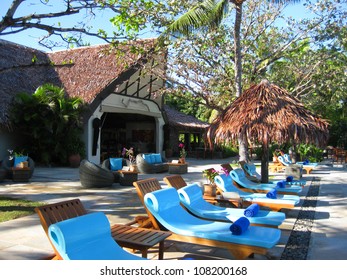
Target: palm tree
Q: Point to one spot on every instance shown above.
(210, 13)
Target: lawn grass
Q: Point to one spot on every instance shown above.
(11, 208)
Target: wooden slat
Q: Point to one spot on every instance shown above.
(142, 188)
(175, 181)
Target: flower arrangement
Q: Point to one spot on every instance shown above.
(12, 154)
(18, 159)
(130, 154)
(225, 171)
(183, 152)
(210, 174)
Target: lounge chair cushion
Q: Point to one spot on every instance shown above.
(179, 221)
(157, 158)
(18, 160)
(150, 163)
(225, 184)
(239, 177)
(147, 158)
(116, 164)
(87, 237)
(191, 197)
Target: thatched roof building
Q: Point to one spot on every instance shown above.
(183, 122)
(83, 72)
(178, 123)
(114, 83)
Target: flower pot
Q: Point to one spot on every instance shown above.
(182, 160)
(133, 168)
(210, 189)
(75, 160)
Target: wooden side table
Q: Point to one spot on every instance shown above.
(20, 174)
(139, 238)
(127, 178)
(218, 199)
(178, 168)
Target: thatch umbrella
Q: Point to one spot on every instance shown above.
(267, 114)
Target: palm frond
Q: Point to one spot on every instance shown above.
(202, 15)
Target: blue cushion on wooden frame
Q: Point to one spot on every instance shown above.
(116, 164)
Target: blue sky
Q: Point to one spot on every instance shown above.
(31, 36)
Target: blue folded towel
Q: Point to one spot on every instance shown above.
(251, 210)
(290, 179)
(239, 226)
(272, 194)
(281, 184)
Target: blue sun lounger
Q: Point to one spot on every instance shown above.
(252, 174)
(225, 184)
(191, 198)
(87, 237)
(239, 177)
(165, 206)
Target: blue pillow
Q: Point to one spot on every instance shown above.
(18, 160)
(157, 158)
(148, 158)
(116, 164)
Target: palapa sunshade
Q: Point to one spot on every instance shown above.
(265, 114)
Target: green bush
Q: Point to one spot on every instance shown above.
(51, 123)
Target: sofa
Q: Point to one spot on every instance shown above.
(149, 163)
(94, 176)
(114, 165)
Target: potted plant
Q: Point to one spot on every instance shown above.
(210, 188)
(75, 150)
(183, 153)
(132, 158)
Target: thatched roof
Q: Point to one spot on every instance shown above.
(184, 122)
(267, 113)
(86, 71)
(20, 72)
(83, 72)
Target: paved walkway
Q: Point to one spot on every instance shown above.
(24, 238)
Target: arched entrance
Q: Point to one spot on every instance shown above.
(125, 130)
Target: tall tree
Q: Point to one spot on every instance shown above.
(210, 13)
(70, 23)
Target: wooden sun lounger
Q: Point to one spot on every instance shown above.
(239, 251)
(175, 181)
(125, 235)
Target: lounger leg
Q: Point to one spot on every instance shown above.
(144, 253)
(243, 253)
(161, 250)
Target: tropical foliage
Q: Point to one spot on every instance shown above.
(50, 122)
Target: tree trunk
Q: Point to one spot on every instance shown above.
(265, 162)
(237, 50)
(242, 140)
(243, 147)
